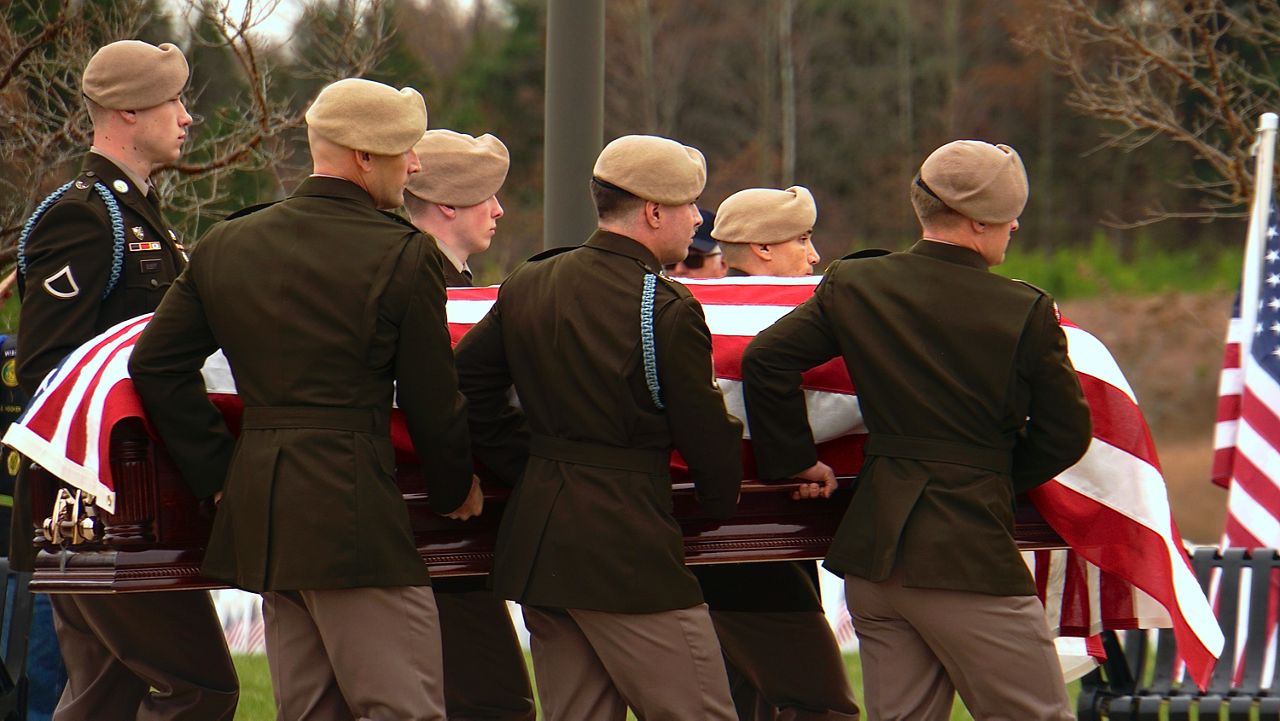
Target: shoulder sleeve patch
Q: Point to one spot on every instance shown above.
(62, 285)
(867, 253)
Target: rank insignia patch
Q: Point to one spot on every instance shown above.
(139, 247)
(62, 284)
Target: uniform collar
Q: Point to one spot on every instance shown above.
(114, 177)
(949, 253)
(448, 254)
(622, 245)
(328, 186)
(737, 273)
(142, 184)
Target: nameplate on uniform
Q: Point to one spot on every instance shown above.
(148, 245)
(149, 265)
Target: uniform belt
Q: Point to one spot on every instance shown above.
(599, 455)
(355, 420)
(928, 449)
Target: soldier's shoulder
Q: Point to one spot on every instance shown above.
(1035, 293)
(550, 253)
(866, 253)
(250, 210)
(673, 286)
(400, 220)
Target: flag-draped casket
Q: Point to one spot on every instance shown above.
(1100, 539)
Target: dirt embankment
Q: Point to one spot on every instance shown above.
(1170, 349)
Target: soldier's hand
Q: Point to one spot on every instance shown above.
(474, 504)
(821, 482)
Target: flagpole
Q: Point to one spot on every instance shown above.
(1262, 194)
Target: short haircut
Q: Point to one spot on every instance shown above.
(96, 111)
(613, 202)
(736, 253)
(414, 204)
(931, 211)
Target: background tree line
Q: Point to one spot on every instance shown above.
(1124, 110)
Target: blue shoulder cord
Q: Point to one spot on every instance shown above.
(117, 232)
(646, 340)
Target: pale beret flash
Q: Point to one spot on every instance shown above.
(368, 116)
(133, 75)
(977, 180)
(457, 169)
(765, 215)
(653, 168)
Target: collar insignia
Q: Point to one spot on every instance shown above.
(120, 186)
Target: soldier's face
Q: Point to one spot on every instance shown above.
(387, 176)
(161, 131)
(794, 258)
(678, 224)
(476, 224)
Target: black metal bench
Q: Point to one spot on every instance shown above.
(1137, 680)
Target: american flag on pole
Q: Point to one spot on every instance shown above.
(1247, 439)
(1126, 567)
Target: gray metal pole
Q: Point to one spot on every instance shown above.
(574, 118)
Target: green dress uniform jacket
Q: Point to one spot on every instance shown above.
(589, 524)
(320, 302)
(968, 396)
(69, 262)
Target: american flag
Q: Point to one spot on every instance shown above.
(1126, 567)
(1247, 438)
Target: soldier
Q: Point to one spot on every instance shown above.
(612, 364)
(782, 658)
(757, 235)
(705, 259)
(324, 306)
(969, 398)
(454, 200)
(95, 253)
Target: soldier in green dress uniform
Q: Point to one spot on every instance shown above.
(95, 253)
(969, 398)
(325, 306)
(612, 365)
(454, 199)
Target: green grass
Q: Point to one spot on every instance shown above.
(256, 703)
(1100, 269)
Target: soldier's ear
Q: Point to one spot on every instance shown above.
(653, 214)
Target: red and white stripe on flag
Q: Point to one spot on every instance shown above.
(1126, 567)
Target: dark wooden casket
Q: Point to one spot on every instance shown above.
(155, 539)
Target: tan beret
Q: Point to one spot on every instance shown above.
(765, 215)
(653, 168)
(133, 75)
(457, 169)
(368, 116)
(977, 180)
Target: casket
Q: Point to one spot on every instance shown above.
(155, 538)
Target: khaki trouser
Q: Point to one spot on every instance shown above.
(484, 672)
(355, 653)
(784, 660)
(920, 645)
(118, 647)
(593, 665)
